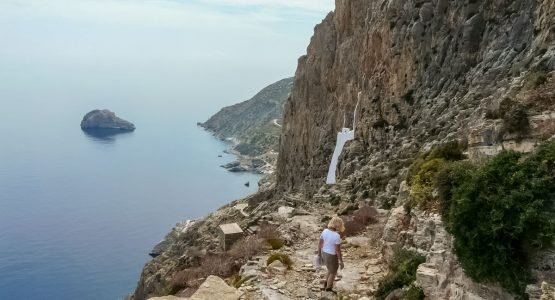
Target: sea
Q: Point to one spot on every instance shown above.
(79, 213)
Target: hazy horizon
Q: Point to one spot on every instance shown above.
(216, 52)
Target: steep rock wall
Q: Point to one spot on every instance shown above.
(427, 70)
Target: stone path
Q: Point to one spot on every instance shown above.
(363, 266)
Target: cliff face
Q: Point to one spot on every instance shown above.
(428, 71)
(253, 125)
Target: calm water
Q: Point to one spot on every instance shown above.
(78, 214)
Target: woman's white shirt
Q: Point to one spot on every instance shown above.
(331, 239)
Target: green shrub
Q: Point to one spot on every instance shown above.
(284, 258)
(402, 272)
(450, 151)
(500, 213)
(516, 120)
(423, 183)
(276, 243)
(414, 293)
(425, 170)
(447, 180)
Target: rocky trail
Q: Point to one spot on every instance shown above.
(363, 260)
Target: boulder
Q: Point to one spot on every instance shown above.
(105, 120)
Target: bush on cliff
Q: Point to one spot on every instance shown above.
(500, 213)
(423, 173)
(402, 272)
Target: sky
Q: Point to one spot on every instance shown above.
(241, 44)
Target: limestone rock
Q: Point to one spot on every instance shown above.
(215, 288)
(285, 211)
(105, 120)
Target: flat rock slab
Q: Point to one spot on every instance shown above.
(232, 228)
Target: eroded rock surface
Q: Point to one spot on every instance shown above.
(428, 72)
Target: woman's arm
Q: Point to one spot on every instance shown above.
(320, 245)
(339, 255)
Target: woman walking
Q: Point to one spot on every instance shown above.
(329, 250)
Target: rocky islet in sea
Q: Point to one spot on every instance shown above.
(105, 120)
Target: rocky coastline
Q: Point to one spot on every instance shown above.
(478, 75)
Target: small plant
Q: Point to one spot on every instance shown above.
(276, 243)
(515, 116)
(543, 97)
(409, 97)
(268, 231)
(185, 279)
(271, 235)
(402, 272)
(237, 281)
(282, 257)
(246, 248)
(335, 200)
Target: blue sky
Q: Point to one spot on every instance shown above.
(221, 50)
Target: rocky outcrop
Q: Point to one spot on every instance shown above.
(441, 276)
(105, 120)
(253, 126)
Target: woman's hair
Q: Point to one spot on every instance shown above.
(336, 223)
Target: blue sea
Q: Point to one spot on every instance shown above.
(80, 213)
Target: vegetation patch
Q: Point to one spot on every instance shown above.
(276, 243)
(424, 173)
(271, 235)
(237, 281)
(500, 214)
(402, 273)
(414, 293)
(543, 97)
(222, 265)
(515, 116)
(282, 257)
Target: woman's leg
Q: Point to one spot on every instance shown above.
(330, 280)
